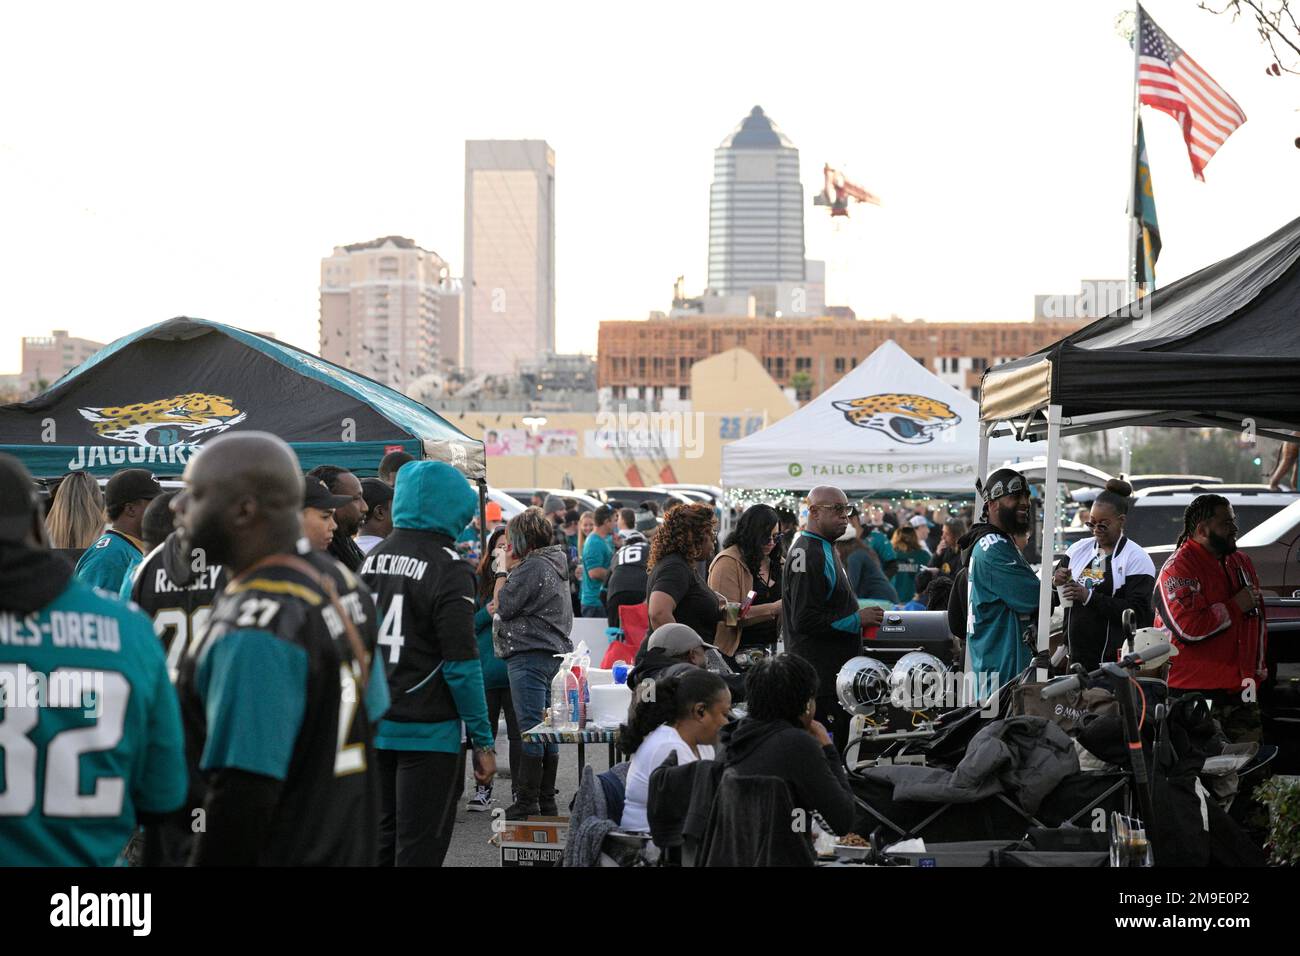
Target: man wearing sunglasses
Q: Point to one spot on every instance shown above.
(1002, 589)
(823, 623)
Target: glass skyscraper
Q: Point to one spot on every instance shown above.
(755, 209)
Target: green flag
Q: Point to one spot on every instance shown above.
(1144, 210)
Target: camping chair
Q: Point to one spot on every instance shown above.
(594, 835)
(634, 624)
(750, 824)
(678, 807)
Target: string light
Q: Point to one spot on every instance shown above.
(784, 498)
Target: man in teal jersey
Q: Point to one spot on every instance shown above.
(597, 554)
(74, 660)
(1002, 589)
(110, 560)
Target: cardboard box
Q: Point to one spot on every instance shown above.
(537, 841)
(552, 830)
(531, 854)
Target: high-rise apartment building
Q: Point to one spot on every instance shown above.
(379, 309)
(46, 358)
(509, 283)
(756, 208)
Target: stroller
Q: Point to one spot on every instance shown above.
(1078, 810)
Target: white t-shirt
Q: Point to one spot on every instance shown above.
(654, 750)
(367, 542)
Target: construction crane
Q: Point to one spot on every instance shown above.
(837, 191)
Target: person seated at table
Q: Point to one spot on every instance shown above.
(682, 716)
(778, 737)
(671, 645)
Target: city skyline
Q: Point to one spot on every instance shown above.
(1002, 165)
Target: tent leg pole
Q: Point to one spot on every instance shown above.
(482, 517)
(1047, 550)
(982, 470)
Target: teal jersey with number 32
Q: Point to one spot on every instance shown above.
(90, 731)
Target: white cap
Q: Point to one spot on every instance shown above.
(919, 521)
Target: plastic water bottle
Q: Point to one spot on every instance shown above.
(560, 696)
(620, 672)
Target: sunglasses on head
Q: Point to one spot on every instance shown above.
(1013, 487)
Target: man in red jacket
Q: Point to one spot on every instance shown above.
(1207, 595)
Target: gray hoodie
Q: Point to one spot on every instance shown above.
(534, 606)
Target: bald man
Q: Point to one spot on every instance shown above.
(282, 692)
(823, 623)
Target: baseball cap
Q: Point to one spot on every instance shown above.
(493, 511)
(376, 492)
(676, 639)
(919, 521)
(316, 495)
(131, 484)
(18, 501)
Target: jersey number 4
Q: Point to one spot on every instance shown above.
(62, 794)
(390, 629)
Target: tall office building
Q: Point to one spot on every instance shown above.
(509, 283)
(755, 210)
(379, 308)
(450, 297)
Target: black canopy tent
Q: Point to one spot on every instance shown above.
(1218, 348)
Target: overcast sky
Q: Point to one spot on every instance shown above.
(178, 158)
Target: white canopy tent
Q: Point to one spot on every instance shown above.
(889, 425)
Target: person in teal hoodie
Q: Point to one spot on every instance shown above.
(496, 677)
(425, 601)
(1002, 588)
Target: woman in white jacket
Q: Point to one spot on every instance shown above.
(1108, 574)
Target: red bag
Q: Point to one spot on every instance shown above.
(634, 619)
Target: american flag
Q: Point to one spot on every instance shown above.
(1174, 83)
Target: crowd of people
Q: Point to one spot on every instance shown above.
(305, 662)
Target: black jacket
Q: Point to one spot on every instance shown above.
(819, 609)
(345, 551)
(424, 595)
(814, 774)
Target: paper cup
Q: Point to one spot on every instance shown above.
(1065, 601)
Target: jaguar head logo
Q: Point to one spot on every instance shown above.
(179, 420)
(910, 419)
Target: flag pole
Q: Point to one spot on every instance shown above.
(1134, 212)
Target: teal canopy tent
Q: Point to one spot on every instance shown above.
(152, 398)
